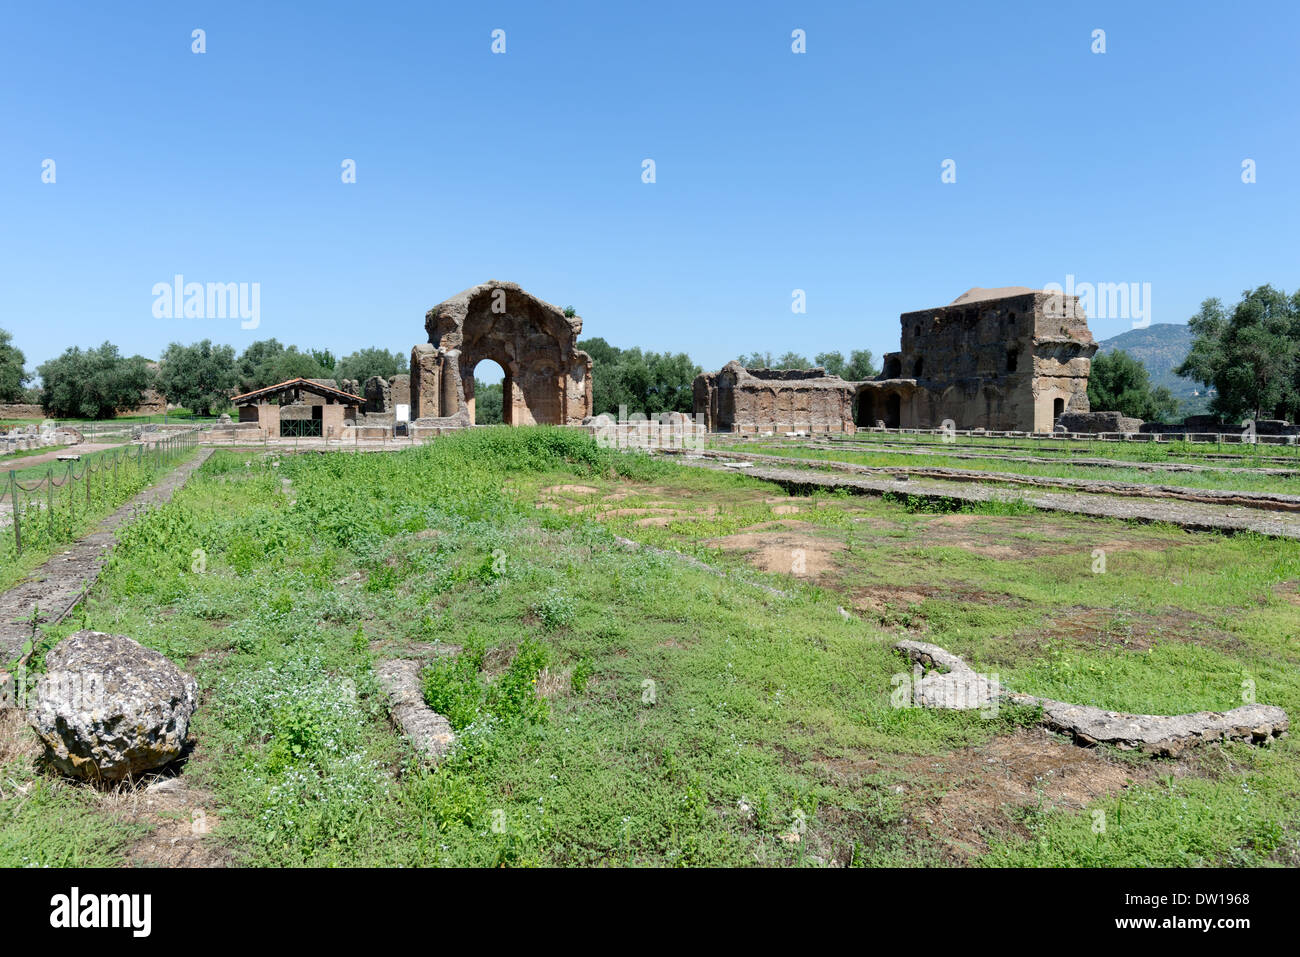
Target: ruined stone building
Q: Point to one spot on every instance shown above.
(748, 401)
(1009, 359)
(388, 400)
(547, 378)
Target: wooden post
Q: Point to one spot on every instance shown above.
(13, 501)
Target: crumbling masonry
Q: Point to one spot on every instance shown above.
(748, 401)
(547, 378)
(1009, 359)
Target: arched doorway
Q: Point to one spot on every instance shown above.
(864, 408)
(545, 378)
(486, 386)
(893, 411)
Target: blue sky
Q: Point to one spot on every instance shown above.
(775, 171)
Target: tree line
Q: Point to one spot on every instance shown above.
(99, 382)
(1249, 355)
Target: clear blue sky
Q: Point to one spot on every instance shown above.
(775, 171)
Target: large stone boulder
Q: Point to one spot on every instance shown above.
(108, 707)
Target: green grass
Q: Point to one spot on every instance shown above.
(1216, 453)
(45, 823)
(690, 719)
(45, 530)
(1220, 479)
(1242, 815)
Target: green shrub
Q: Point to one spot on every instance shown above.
(555, 609)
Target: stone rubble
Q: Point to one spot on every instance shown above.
(108, 708)
(429, 732)
(952, 684)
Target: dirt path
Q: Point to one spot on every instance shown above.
(57, 586)
(1195, 516)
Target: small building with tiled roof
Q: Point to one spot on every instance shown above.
(318, 409)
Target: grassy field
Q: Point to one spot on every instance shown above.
(73, 516)
(624, 707)
(1222, 454)
(1047, 468)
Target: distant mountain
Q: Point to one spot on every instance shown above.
(1161, 347)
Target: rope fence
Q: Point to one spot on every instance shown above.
(46, 510)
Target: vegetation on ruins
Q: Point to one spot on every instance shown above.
(1251, 356)
(201, 377)
(1119, 383)
(93, 383)
(643, 382)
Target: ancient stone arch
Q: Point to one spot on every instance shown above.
(547, 378)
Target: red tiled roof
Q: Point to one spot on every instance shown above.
(298, 383)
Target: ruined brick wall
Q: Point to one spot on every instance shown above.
(383, 395)
(547, 378)
(21, 411)
(378, 395)
(1006, 359)
(748, 401)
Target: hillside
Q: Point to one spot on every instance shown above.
(1161, 347)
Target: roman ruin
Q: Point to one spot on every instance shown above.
(752, 401)
(547, 378)
(1008, 359)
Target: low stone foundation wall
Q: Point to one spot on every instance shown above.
(21, 412)
(1097, 422)
(1265, 428)
(365, 433)
(646, 435)
(431, 427)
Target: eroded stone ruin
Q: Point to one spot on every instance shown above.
(388, 401)
(1008, 359)
(946, 681)
(750, 401)
(547, 378)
